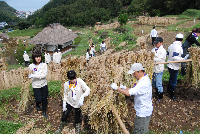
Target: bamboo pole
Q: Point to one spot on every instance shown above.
(119, 120)
(173, 61)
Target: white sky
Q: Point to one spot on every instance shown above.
(26, 5)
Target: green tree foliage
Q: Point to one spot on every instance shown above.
(78, 12)
(123, 18)
(7, 13)
(137, 7)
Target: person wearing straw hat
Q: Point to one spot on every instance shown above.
(142, 90)
(75, 90)
(160, 56)
(174, 53)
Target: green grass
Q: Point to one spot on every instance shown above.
(54, 88)
(8, 127)
(9, 94)
(24, 32)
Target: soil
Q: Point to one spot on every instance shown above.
(168, 115)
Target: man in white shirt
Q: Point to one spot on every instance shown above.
(103, 46)
(56, 57)
(153, 35)
(160, 56)
(142, 90)
(47, 57)
(26, 59)
(174, 53)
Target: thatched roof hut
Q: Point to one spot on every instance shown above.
(54, 36)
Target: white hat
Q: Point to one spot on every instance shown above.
(179, 36)
(135, 67)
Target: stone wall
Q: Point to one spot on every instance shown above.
(157, 20)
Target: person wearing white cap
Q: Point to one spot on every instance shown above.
(174, 53)
(26, 59)
(142, 90)
(160, 56)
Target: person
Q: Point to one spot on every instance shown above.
(73, 99)
(174, 54)
(59, 52)
(103, 47)
(24, 41)
(56, 56)
(26, 59)
(142, 90)
(47, 57)
(153, 35)
(92, 50)
(160, 56)
(87, 55)
(39, 82)
(190, 40)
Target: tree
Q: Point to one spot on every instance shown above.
(123, 18)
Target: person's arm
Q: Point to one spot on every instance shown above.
(42, 73)
(161, 57)
(124, 91)
(195, 41)
(176, 54)
(85, 88)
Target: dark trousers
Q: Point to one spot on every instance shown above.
(172, 79)
(66, 114)
(153, 39)
(41, 95)
(26, 63)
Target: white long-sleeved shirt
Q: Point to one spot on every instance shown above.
(174, 53)
(47, 57)
(26, 57)
(153, 33)
(80, 87)
(39, 75)
(103, 45)
(56, 58)
(87, 56)
(143, 93)
(160, 56)
(92, 50)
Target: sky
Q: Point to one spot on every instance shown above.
(26, 5)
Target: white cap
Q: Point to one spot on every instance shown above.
(135, 67)
(179, 36)
(25, 52)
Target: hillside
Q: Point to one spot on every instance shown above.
(7, 13)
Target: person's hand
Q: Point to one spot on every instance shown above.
(187, 55)
(122, 86)
(114, 86)
(30, 76)
(64, 106)
(81, 101)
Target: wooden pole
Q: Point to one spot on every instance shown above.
(173, 61)
(119, 120)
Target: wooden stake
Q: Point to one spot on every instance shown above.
(119, 120)
(173, 61)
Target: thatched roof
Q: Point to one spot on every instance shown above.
(4, 35)
(53, 34)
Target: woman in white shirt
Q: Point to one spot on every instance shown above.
(39, 82)
(73, 99)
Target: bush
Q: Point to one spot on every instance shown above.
(123, 18)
